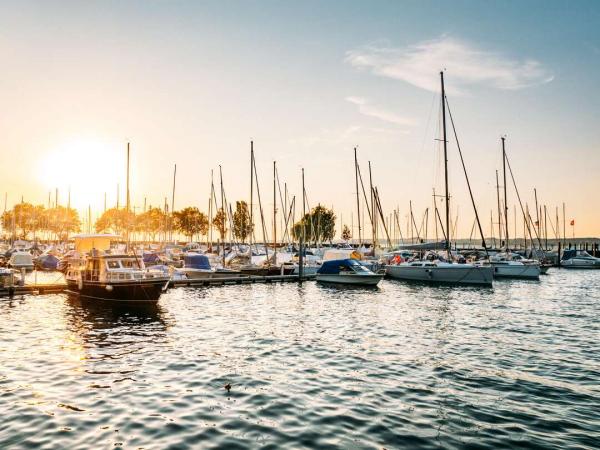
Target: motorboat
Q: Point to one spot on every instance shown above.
(579, 259)
(21, 260)
(513, 265)
(116, 278)
(47, 261)
(347, 271)
(434, 268)
(197, 266)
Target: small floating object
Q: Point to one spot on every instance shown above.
(227, 387)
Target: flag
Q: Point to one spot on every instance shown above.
(572, 222)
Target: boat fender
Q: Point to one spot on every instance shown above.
(80, 283)
(429, 273)
(109, 288)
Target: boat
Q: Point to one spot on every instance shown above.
(443, 267)
(513, 265)
(47, 262)
(267, 270)
(115, 278)
(435, 268)
(197, 266)
(347, 271)
(21, 260)
(579, 259)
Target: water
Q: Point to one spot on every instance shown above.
(401, 366)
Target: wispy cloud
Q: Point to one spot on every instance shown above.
(466, 64)
(364, 107)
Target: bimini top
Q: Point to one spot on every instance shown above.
(335, 266)
(196, 261)
(85, 242)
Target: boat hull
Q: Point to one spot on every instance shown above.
(148, 290)
(460, 274)
(525, 271)
(267, 271)
(371, 279)
(582, 264)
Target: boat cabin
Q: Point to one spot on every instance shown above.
(109, 268)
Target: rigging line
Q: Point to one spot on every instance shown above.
(467, 178)
(262, 217)
(399, 227)
(520, 203)
(365, 196)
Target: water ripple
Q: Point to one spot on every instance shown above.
(287, 366)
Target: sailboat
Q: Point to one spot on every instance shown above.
(436, 267)
(507, 264)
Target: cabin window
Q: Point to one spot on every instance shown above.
(128, 263)
(112, 264)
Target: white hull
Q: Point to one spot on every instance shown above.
(528, 271)
(370, 279)
(467, 274)
(582, 264)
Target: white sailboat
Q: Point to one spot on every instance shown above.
(507, 264)
(438, 267)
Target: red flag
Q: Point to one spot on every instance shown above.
(572, 222)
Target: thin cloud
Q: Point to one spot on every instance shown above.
(364, 107)
(465, 63)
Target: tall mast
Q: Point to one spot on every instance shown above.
(505, 198)
(303, 208)
(373, 215)
(127, 201)
(274, 206)
(357, 197)
(445, 164)
(251, 193)
(499, 210)
(173, 202)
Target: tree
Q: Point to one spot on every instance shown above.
(241, 221)
(191, 221)
(115, 220)
(27, 218)
(317, 225)
(346, 234)
(152, 221)
(220, 222)
(61, 221)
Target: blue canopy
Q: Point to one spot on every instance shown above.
(333, 266)
(48, 262)
(195, 261)
(150, 258)
(568, 254)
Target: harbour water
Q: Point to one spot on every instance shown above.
(308, 366)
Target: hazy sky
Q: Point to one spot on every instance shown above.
(193, 82)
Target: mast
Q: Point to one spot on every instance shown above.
(505, 198)
(373, 215)
(127, 201)
(251, 193)
(172, 203)
(274, 209)
(499, 210)
(445, 164)
(357, 197)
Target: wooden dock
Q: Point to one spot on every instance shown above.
(28, 289)
(40, 289)
(248, 279)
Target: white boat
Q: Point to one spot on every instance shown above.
(197, 266)
(579, 259)
(21, 260)
(438, 271)
(347, 271)
(512, 265)
(434, 267)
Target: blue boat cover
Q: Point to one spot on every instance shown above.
(48, 262)
(568, 254)
(150, 258)
(193, 261)
(333, 267)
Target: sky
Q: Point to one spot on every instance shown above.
(192, 83)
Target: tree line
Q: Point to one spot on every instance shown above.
(26, 220)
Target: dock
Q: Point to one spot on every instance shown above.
(41, 289)
(248, 279)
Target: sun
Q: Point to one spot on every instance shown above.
(86, 167)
